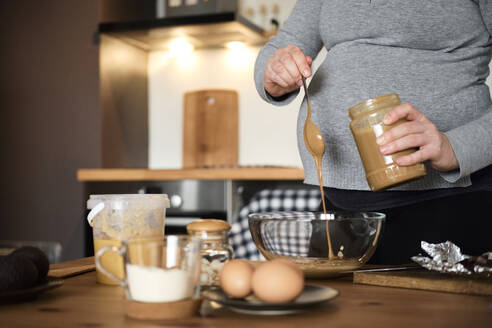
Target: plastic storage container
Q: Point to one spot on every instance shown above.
(367, 124)
(115, 218)
(216, 250)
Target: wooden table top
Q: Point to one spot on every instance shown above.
(80, 302)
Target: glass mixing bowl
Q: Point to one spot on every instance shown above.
(302, 237)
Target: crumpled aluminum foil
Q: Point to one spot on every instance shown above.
(447, 257)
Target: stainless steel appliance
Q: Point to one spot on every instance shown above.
(154, 25)
(191, 200)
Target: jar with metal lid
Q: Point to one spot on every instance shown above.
(216, 250)
(367, 124)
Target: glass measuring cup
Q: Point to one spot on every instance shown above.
(117, 218)
(166, 270)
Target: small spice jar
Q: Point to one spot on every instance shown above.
(367, 124)
(216, 250)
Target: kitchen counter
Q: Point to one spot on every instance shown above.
(240, 173)
(80, 302)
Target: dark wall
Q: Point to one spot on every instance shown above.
(50, 118)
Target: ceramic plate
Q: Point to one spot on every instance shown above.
(311, 295)
(30, 293)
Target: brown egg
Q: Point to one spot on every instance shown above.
(277, 281)
(235, 278)
(292, 264)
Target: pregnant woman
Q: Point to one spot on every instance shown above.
(435, 54)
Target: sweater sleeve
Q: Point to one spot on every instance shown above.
(472, 145)
(472, 142)
(486, 11)
(300, 29)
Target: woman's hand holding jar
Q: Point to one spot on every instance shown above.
(418, 132)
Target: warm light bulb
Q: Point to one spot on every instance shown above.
(235, 45)
(239, 55)
(180, 47)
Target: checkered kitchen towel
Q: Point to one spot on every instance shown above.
(288, 238)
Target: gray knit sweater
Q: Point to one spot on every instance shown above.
(433, 53)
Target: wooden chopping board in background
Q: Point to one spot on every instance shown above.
(210, 128)
(72, 268)
(426, 280)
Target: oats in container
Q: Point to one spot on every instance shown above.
(216, 250)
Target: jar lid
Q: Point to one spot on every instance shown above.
(126, 201)
(208, 225)
(374, 103)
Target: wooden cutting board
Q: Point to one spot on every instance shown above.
(210, 128)
(72, 268)
(426, 280)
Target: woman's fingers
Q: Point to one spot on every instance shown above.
(285, 70)
(277, 79)
(281, 70)
(290, 66)
(409, 141)
(417, 157)
(400, 131)
(301, 61)
(419, 132)
(403, 111)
